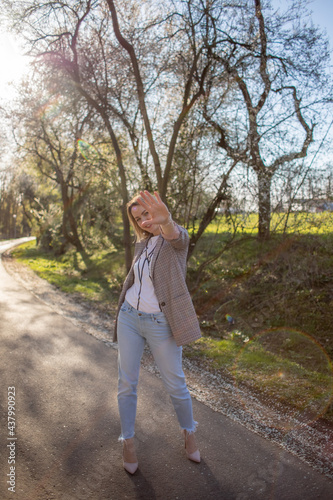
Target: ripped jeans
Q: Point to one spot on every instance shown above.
(133, 330)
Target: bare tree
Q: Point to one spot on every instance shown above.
(50, 143)
(75, 39)
(191, 92)
(188, 71)
(62, 39)
(269, 74)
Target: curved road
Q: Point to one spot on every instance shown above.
(66, 425)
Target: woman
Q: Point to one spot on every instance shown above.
(155, 307)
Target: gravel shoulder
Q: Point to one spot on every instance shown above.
(312, 443)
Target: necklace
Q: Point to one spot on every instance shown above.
(147, 260)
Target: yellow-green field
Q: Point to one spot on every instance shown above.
(295, 222)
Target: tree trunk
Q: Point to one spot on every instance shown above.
(124, 193)
(69, 218)
(102, 111)
(264, 204)
(208, 216)
(140, 92)
(211, 210)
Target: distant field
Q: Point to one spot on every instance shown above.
(299, 222)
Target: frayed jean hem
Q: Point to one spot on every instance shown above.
(192, 430)
(122, 439)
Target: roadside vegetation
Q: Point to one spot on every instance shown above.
(265, 308)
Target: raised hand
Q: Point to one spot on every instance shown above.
(155, 207)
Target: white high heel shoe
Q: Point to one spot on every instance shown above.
(191, 448)
(130, 461)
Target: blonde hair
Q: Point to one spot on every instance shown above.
(140, 233)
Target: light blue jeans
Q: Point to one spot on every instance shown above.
(134, 328)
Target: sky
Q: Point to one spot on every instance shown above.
(13, 64)
(322, 14)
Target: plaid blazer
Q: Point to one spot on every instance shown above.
(168, 271)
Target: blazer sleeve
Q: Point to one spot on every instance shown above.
(183, 240)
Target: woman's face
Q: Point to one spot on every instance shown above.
(141, 215)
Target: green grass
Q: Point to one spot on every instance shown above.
(286, 281)
(100, 282)
(282, 366)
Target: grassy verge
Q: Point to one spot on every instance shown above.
(265, 310)
(99, 283)
(284, 282)
(263, 290)
(283, 367)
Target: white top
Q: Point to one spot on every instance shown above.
(141, 295)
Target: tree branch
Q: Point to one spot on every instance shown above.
(141, 95)
(263, 57)
(308, 131)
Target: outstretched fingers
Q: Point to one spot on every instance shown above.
(148, 198)
(143, 201)
(154, 206)
(157, 196)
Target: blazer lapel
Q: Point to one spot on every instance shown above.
(139, 248)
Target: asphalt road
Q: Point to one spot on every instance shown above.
(66, 425)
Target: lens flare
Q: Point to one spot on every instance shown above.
(51, 108)
(88, 151)
(229, 318)
(289, 372)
